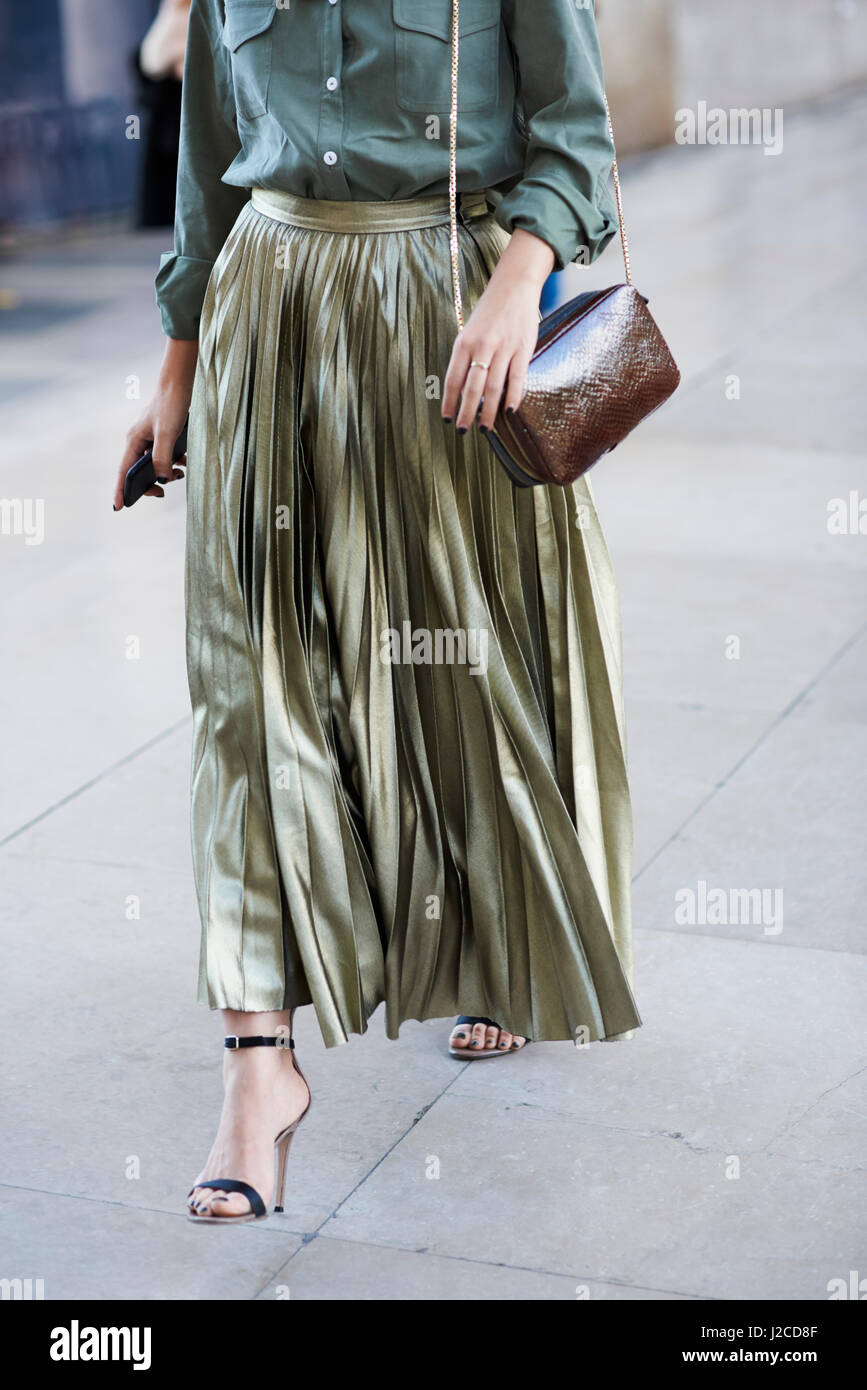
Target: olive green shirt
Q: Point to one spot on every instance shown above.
(349, 100)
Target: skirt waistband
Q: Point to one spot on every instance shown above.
(322, 214)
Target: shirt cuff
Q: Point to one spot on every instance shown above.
(573, 227)
(181, 282)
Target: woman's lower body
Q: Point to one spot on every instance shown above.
(409, 780)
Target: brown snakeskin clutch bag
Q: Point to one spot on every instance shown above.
(600, 366)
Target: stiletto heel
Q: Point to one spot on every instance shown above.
(281, 1154)
(282, 1144)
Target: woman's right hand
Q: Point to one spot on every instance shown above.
(162, 420)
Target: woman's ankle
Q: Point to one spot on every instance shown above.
(245, 1025)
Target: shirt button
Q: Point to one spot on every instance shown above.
(330, 157)
(331, 84)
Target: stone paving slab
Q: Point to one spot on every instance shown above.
(104, 1250)
(128, 1058)
(738, 1043)
(786, 825)
(703, 741)
(833, 1129)
(789, 396)
(327, 1269)
(653, 1211)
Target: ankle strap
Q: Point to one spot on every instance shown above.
(281, 1040)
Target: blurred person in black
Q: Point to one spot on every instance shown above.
(158, 65)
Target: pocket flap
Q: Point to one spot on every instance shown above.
(435, 16)
(245, 19)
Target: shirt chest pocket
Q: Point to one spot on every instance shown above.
(423, 31)
(248, 33)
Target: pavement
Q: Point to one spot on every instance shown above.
(720, 1153)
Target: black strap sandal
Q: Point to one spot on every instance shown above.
(472, 1054)
(282, 1144)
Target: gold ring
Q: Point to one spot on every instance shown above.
(486, 365)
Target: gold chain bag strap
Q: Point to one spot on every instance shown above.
(600, 366)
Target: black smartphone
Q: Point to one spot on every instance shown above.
(142, 475)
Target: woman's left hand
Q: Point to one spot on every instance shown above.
(494, 350)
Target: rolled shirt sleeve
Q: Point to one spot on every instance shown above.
(206, 208)
(564, 195)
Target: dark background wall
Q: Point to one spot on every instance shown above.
(31, 59)
(65, 95)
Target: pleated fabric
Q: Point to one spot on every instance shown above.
(409, 780)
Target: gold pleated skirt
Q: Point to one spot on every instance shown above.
(408, 781)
